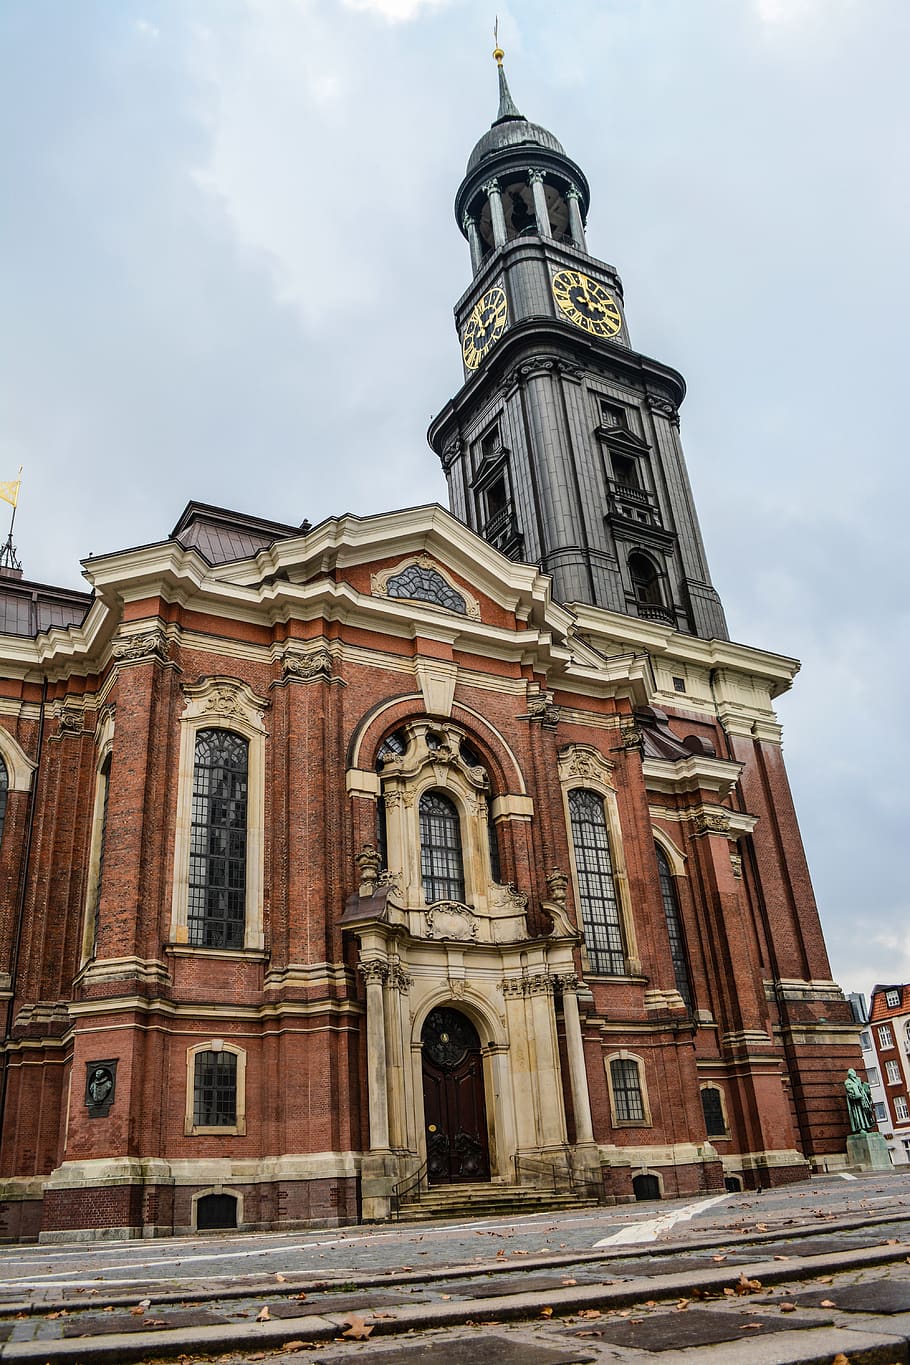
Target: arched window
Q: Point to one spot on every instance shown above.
(4, 792)
(215, 1090)
(712, 1104)
(97, 872)
(674, 927)
(645, 580)
(441, 865)
(625, 1083)
(599, 903)
(217, 892)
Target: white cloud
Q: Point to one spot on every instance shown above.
(394, 11)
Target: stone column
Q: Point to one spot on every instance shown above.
(541, 212)
(492, 191)
(578, 1078)
(470, 226)
(374, 975)
(576, 226)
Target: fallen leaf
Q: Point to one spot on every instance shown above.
(827, 1303)
(781, 1258)
(445, 1296)
(546, 1312)
(718, 1258)
(589, 1312)
(263, 1315)
(567, 1282)
(828, 1279)
(293, 1346)
(788, 1307)
(357, 1328)
(840, 1359)
(301, 1295)
(728, 1290)
(751, 1326)
(282, 1279)
(138, 1311)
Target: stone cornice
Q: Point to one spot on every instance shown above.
(698, 773)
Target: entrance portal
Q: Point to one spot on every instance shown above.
(453, 1100)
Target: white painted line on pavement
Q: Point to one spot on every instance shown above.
(845, 1175)
(650, 1228)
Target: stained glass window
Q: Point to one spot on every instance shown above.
(217, 896)
(426, 585)
(599, 903)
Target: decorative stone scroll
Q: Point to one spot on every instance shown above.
(566, 983)
(450, 919)
(227, 699)
(538, 984)
(584, 762)
(710, 822)
(374, 972)
(69, 720)
(316, 664)
(557, 886)
(542, 709)
(135, 648)
(664, 407)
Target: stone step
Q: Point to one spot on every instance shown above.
(479, 1201)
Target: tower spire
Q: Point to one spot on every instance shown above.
(507, 106)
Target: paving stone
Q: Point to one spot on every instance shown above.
(107, 1323)
(480, 1349)
(338, 1303)
(873, 1296)
(694, 1327)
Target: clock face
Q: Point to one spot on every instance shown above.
(484, 327)
(586, 303)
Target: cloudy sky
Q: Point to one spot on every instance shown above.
(229, 262)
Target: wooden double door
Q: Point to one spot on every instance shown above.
(453, 1099)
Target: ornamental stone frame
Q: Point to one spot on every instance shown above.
(220, 703)
(104, 744)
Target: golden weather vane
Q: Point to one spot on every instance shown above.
(497, 51)
(9, 492)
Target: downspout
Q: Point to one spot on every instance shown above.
(20, 913)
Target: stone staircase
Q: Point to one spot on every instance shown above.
(478, 1200)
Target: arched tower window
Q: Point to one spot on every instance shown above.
(104, 784)
(4, 793)
(441, 863)
(599, 903)
(645, 580)
(217, 893)
(674, 927)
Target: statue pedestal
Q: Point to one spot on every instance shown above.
(868, 1151)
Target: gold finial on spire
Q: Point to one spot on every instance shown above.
(497, 51)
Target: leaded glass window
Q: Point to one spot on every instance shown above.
(598, 901)
(712, 1105)
(674, 927)
(217, 894)
(422, 584)
(215, 1090)
(628, 1101)
(4, 792)
(441, 864)
(104, 778)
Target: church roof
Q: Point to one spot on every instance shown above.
(511, 129)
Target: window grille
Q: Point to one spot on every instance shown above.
(674, 928)
(441, 863)
(628, 1101)
(215, 1090)
(598, 900)
(217, 892)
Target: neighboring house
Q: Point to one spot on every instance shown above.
(873, 1072)
(889, 1025)
(421, 846)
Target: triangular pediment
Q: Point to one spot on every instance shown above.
(620, 438)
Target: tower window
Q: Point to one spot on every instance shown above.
(4, 793)
(645, 580)
(625, 1083)
(674, 927)
(598, 900)
(217, 892)
(490, 444)
(713, 1108)
(625, 470)
(441, 864)
(215, 1090)
(612, 415)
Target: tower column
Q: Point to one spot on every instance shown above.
(576, 226)
(492, 191)
(578, 1076)
(541, 212)
(470, 226)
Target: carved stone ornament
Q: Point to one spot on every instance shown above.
(490, 187)
(541, 708)
(710, 822)
(630, 736)
(399, 979)
(538, 984)
(506, 896)
(316, 664)
(736, 863)
(535, 177)
(375, 972)
(131, 648)
(540, 365)
(228, 699)
(664, 407)
(449, 919)
(584, 762)
(566, 983)
(370, 864)
(451, 453)
(557, 886)
(69, 720)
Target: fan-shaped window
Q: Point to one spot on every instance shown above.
(215, 1090)
(217, 892)
(441, 864)
(4, 792)
(421, 584)
(625, 1082)
(598, 900)
(645, 580)
(674, 927)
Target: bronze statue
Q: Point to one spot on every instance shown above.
(859, 1104)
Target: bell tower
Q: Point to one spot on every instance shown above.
(562, 446)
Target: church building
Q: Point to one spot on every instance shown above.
(423, 860)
